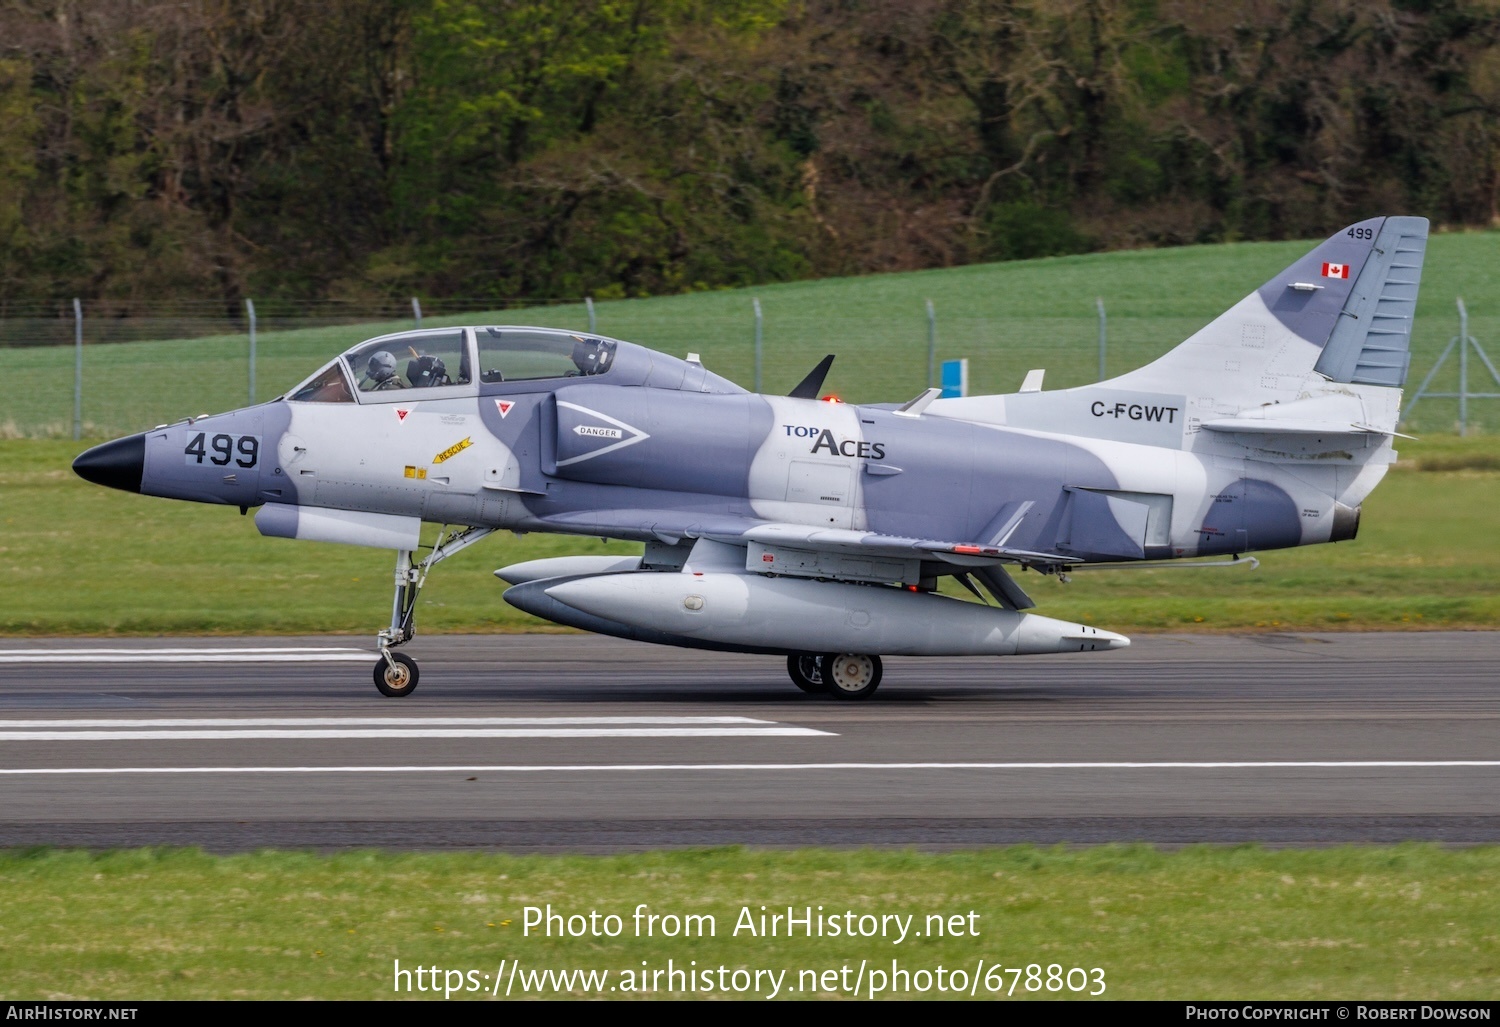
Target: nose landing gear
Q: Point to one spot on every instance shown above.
(396, 673)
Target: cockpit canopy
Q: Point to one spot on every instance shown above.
(445, 358)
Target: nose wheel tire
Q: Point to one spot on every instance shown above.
(806, 673)
(398, 678)
(850, 675)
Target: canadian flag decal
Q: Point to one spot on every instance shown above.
(504, 405)
(1335, 270)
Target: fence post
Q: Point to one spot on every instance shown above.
(416, 310)
(588, 301)
(77, 369)
(1463, 340)
(1103, 335)
(250, 310)
(931, 345)
(758, 340)
(1463, 368)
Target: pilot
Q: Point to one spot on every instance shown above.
(381, 373)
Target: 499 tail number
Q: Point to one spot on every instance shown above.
(244, 450)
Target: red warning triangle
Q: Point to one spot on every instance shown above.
(504, 405)
(401, 413)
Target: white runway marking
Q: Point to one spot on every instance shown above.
(391, 721)
(225, 728)
(616, 768)
(238, 654)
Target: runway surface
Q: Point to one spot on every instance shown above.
(574, 743)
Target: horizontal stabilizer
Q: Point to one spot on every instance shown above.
(1332, 415)
(1255, 426)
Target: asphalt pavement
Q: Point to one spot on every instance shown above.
(587, 744)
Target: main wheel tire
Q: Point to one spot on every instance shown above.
(806, 673)
(398, 678)
(851, 675)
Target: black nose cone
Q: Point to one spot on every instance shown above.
(118, 464)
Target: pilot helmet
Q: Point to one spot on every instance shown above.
(382, 366)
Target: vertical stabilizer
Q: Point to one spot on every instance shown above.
(1333, 323)
(1344, 311)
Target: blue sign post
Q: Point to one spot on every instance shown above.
(955, 378)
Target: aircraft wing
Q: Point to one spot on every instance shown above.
(871, 543)
(672, 526)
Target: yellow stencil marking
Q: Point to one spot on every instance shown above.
(453, 450)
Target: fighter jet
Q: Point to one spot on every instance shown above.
(812, 530)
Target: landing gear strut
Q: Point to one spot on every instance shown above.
(396, 673)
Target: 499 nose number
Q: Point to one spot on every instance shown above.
(244, 450)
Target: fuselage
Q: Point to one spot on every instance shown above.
(653, 447)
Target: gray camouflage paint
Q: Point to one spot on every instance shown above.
(660, 449)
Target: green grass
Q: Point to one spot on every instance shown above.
(1006, 318)
(79, 559)
(1407, 922)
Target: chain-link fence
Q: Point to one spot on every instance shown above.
(187, 359)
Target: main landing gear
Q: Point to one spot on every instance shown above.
(845, 675)
(396, 673)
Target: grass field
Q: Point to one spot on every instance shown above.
(1410, 922)
(79, 559)
(1006, 318)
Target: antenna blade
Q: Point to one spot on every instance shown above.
(809, 387)
(914, 408)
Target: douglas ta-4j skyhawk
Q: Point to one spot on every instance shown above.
(816, 530)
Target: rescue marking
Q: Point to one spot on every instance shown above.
(504, 405)
(453, 450)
